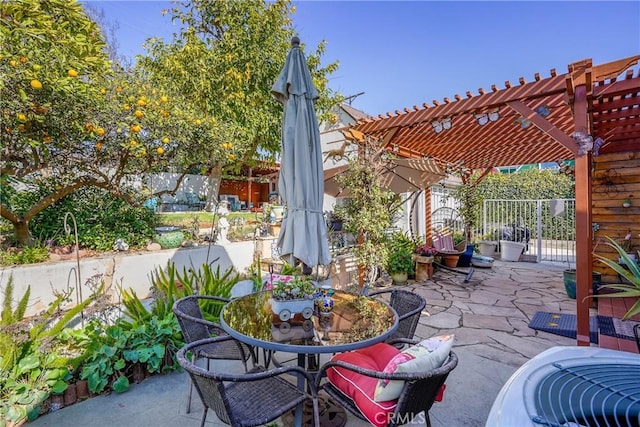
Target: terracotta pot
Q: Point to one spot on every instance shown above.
(450, 260)
(57, 402)
(82, 389)
(45, 406)
(70, 395)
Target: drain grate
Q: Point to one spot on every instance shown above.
(589, 395)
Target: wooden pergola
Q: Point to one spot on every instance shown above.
(546, 120)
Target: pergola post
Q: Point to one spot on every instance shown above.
(427, 215)
(584, 259)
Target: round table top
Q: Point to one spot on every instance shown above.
(356, 321)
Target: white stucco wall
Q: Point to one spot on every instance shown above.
(131, 270)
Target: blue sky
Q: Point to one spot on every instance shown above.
(407, 53)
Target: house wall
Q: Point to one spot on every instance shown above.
(616, 176)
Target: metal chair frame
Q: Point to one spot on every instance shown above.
(254, 398)
(194, 328)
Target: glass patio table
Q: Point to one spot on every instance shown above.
(356, 321)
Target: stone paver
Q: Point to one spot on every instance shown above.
(489, 317)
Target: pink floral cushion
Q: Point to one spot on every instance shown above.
(359, 388)
(427, 355)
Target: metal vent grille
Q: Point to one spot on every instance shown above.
(589, 395)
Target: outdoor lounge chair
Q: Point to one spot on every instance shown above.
(194, 327)
(350, 385)
(409, 306)
(444, 245)
(254, 398)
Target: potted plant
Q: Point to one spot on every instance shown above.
(627, 246)
(425, 253)
(400, 260)
(487, 245)
(293, 296)
(629, 271)
(423, 256)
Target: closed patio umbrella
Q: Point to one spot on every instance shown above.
(303, 235)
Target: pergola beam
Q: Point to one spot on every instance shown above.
(544, 125)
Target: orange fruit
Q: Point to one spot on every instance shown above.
(164, 113)
(103, 91)
(47, 139)
(72, 73)
(99, 146)
(142, 102)
(89, 127)
(164, 99)
(231, 157)
(21, 128)
(165, 140)
(198, 122)
(36, 84)
(24, 59)
(160, 150)
(135, 128)
(126, 107)
(22, 118)
(13, 63)
(100, 131)
(139, 114)
(133, 142)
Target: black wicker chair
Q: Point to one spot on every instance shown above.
(194, 327)
(408, 305)
(250, 399)
(418, 394)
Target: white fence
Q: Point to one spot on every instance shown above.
(548, 226)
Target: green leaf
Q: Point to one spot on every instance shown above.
(120, 364)
(121, 384)
(59, 387)
(28, 363)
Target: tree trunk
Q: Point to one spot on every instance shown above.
(23, 236)
(215, 177)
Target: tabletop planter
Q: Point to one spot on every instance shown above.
(293, 296)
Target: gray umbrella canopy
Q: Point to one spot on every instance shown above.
(303, 235)
(397, 175)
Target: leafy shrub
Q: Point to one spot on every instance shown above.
(114, 350)
(171, 285)
(30, 367)
(28, 255)
(400, 250)
(101, 219)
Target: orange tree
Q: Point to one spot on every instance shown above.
(227, 56)
(70, 118)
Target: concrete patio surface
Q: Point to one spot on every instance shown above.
(489, 317)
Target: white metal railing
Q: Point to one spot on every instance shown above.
(548, 226)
